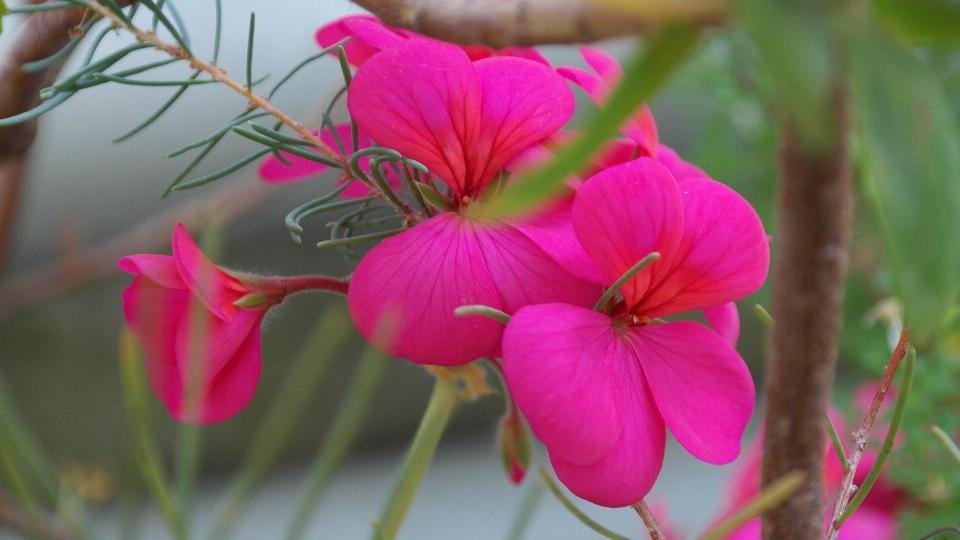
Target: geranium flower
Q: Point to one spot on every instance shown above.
(464, 120)
(599, 388)
(184, 307)
(274, 171)
(370, 36)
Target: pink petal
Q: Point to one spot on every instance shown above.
(524, 274)
(605, 65)
(750, 531)
(226, 387)
(528, 53)
(414, 281)
(681, 170)
(523, 102)
(868, 523)
(624, 213)
(422, 98)
(723, 255)
(564, 367)
(153, 313)
(700, 384)
(157, 268)
(217, 289)
(626, 474)
(643, 129)
(274, 171)
(552, 230)
(358, 50)
(725, 320)
(596, 88)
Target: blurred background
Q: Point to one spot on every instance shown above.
(85, 196)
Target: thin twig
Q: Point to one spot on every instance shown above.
(653, 526)
(862, 435)
(148, 236)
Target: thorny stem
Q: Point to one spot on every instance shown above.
(255, 101)
(861, 436)
(653, 526)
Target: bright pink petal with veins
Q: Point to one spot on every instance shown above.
(413, 281)
(623, 214)
(358, 49)
(552, 229)
(523, 102)
(701, 386)
(680, 169)
(158, 268)
(725, 321)
(723, 255)
(524, 274)
(421, 98)
(564, 367)
(214, 287)
(595, 87)
(626, 474)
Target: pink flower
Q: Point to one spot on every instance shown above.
(159, 305)
(370, 36)
(183, 307)
(599, 388)
(464, 120)
(274, 171)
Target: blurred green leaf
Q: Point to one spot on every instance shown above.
(285, 414)
(911, 142)
(922, 21)
(662, 54)
(794, 39)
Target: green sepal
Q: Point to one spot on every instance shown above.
(255, 300)
(435, 198)
(516, 450)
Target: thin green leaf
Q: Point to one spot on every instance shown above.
(486, 311)
(946, 442)
(253, 20)
(837, 444)
(340, 242)
(216, 135)
(664, 52)
(37, 111)
(222, 172)
(533, 492)
(764, 315)
(136, 397)
(216, 31)
(292, 220)
(178, 20)
(134, 82)
(159, 16)
(344, 67)
(767, 499)
(306, 62)
(911, 144)
(285, 414)
(340, 438)
(627, 276)
(159, 112)
(40, 65)
(585, 519)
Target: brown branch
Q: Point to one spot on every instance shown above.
(863, 434)
(653, 526)
(501, 23)
(150, 235)
(11, 186)
(816, 205)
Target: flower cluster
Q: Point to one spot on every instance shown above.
(599, 382)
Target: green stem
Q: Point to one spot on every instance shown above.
(435, 419)
(486, 311)
(947, 442)
(837, 444)
(340, 438)
(532, 496)
(585, 519)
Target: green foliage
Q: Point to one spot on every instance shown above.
(911, 142)
(922, 21)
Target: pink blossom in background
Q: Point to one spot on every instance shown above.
(599, 389)
(274, 171)
(464, 120)
(369, 36)
(158, 305)
(875, 519)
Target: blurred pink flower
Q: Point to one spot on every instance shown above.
(160, 307)
(599, 389)
(370, 36)
(274, 171)
(464, 120)
(182, 307)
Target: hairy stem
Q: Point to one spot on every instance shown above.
(816, 204)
